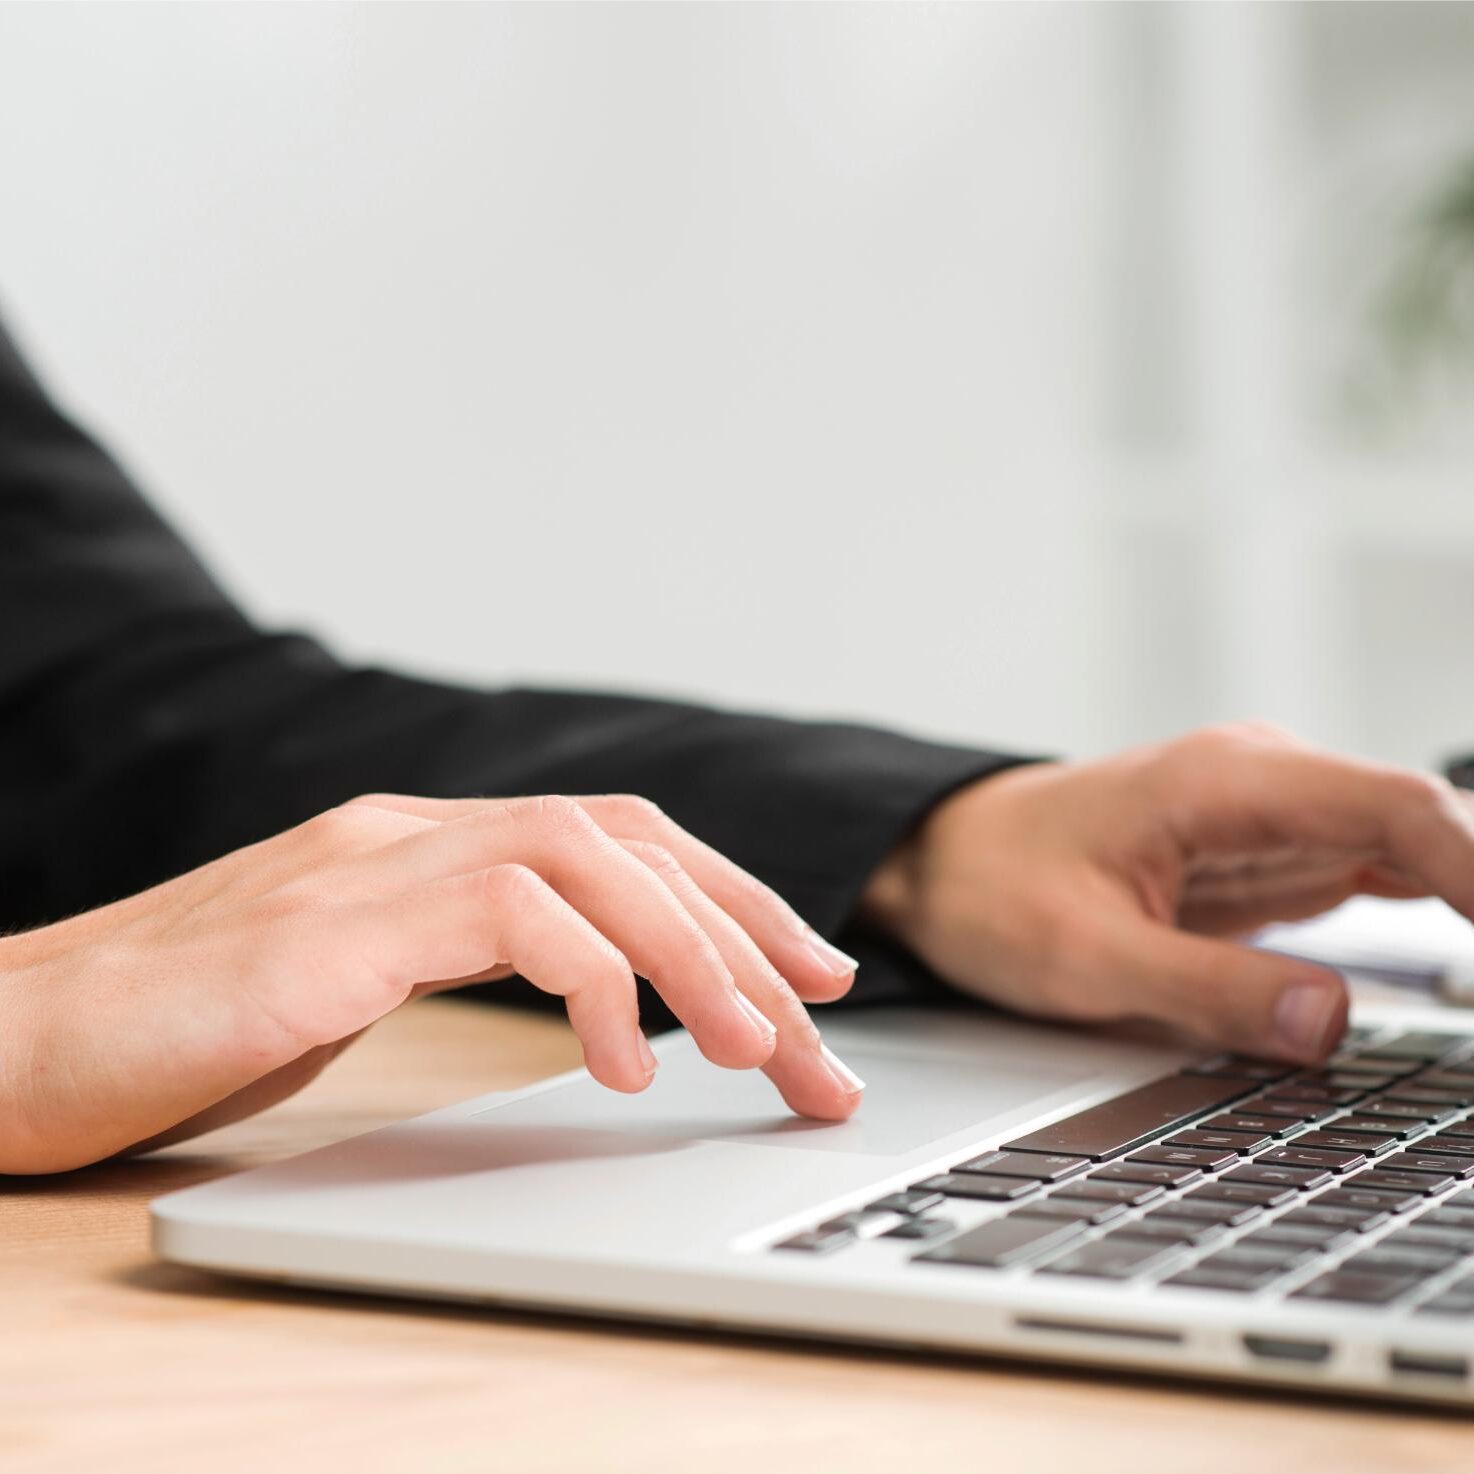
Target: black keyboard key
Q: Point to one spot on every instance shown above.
(1256, 1125)
(1129, 1194)
(1439, 1163)
(1239, 1142)
(1168, 1231)
(1445, 1141)
(1425, 1046)
(1355, 1080)
(1302, 1179)
(1457, 1130)
(1080, 1212)
(1417, 1093)
(1251, 1250)
(1286, 1110)
(1368, 1200)
(1359, 1220)
(1457, 1069)
(1004, 1241)
(1298, 1156)
(1332, 1139)
(1459, 1200)
(1240, 1067)
(1190, 1230)
(1460, 1088)
(814, 1242)
(1117, 1126)
(1390, 1179)
(861, 1224)
(1445, 1217)
(1401, 1110)
(1262, 1247)
(1111, 1258)
(1332, 1080)
(1435, 1236)
(1156, 1173)
(1320, 1094)
(979, 1185)
(1222, 1190)
(1182, 1156)
(1212, 1210)
(1218, 1273)
(1040, 1166)
(1315, 1236)
(919, 1226)
(1449, 1303)
(1351, 1288)
(1390, 1258)
(1381, 1063)
(910, 1201)
(1388, 1127)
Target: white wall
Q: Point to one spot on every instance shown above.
(797, 356)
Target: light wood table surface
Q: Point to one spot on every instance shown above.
(114, 1362)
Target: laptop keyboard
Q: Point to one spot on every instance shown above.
(1352, 1184)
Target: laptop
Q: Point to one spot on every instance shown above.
(1007, 1189)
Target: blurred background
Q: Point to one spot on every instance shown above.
(1054, 376)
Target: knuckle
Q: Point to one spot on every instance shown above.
(339, 826)
(803, 1033)
(633, 808)
(517, 886)
(1260, 731)
(373, 801)
(1214, 741)
(560, 815)
(1427, 792)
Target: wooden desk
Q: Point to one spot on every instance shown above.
(113, 1362)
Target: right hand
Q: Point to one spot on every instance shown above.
(227, 989)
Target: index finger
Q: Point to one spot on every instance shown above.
(1417, 822)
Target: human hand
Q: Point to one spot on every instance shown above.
(1108, 890)
(218, 993)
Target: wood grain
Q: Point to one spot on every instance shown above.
(112, 1361)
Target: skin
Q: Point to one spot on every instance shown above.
(217, 994)
(1090, 891)
(1114, 889)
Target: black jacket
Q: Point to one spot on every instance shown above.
(147, 725)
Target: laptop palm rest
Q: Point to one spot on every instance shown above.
(914, 1097)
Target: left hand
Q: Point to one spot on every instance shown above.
(1112, 889)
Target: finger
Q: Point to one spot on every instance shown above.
(1415, 821)
(1248, 911)
(506, 915)
(1255, 1002)
(815, 969)
(810, 1079)
(621, 897)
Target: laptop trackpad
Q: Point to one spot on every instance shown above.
(911, 1099)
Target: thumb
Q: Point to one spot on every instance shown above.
(1254, 1002)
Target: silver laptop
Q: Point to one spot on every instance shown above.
(1006, 1189)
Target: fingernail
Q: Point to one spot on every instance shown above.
(760, 1021)
(830, 958)
(1304, 1016)
(648, 1062)
(852, 1083)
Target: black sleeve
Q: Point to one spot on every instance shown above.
(147, 726)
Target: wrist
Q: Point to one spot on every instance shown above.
(901, 897)
(22, 1148)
